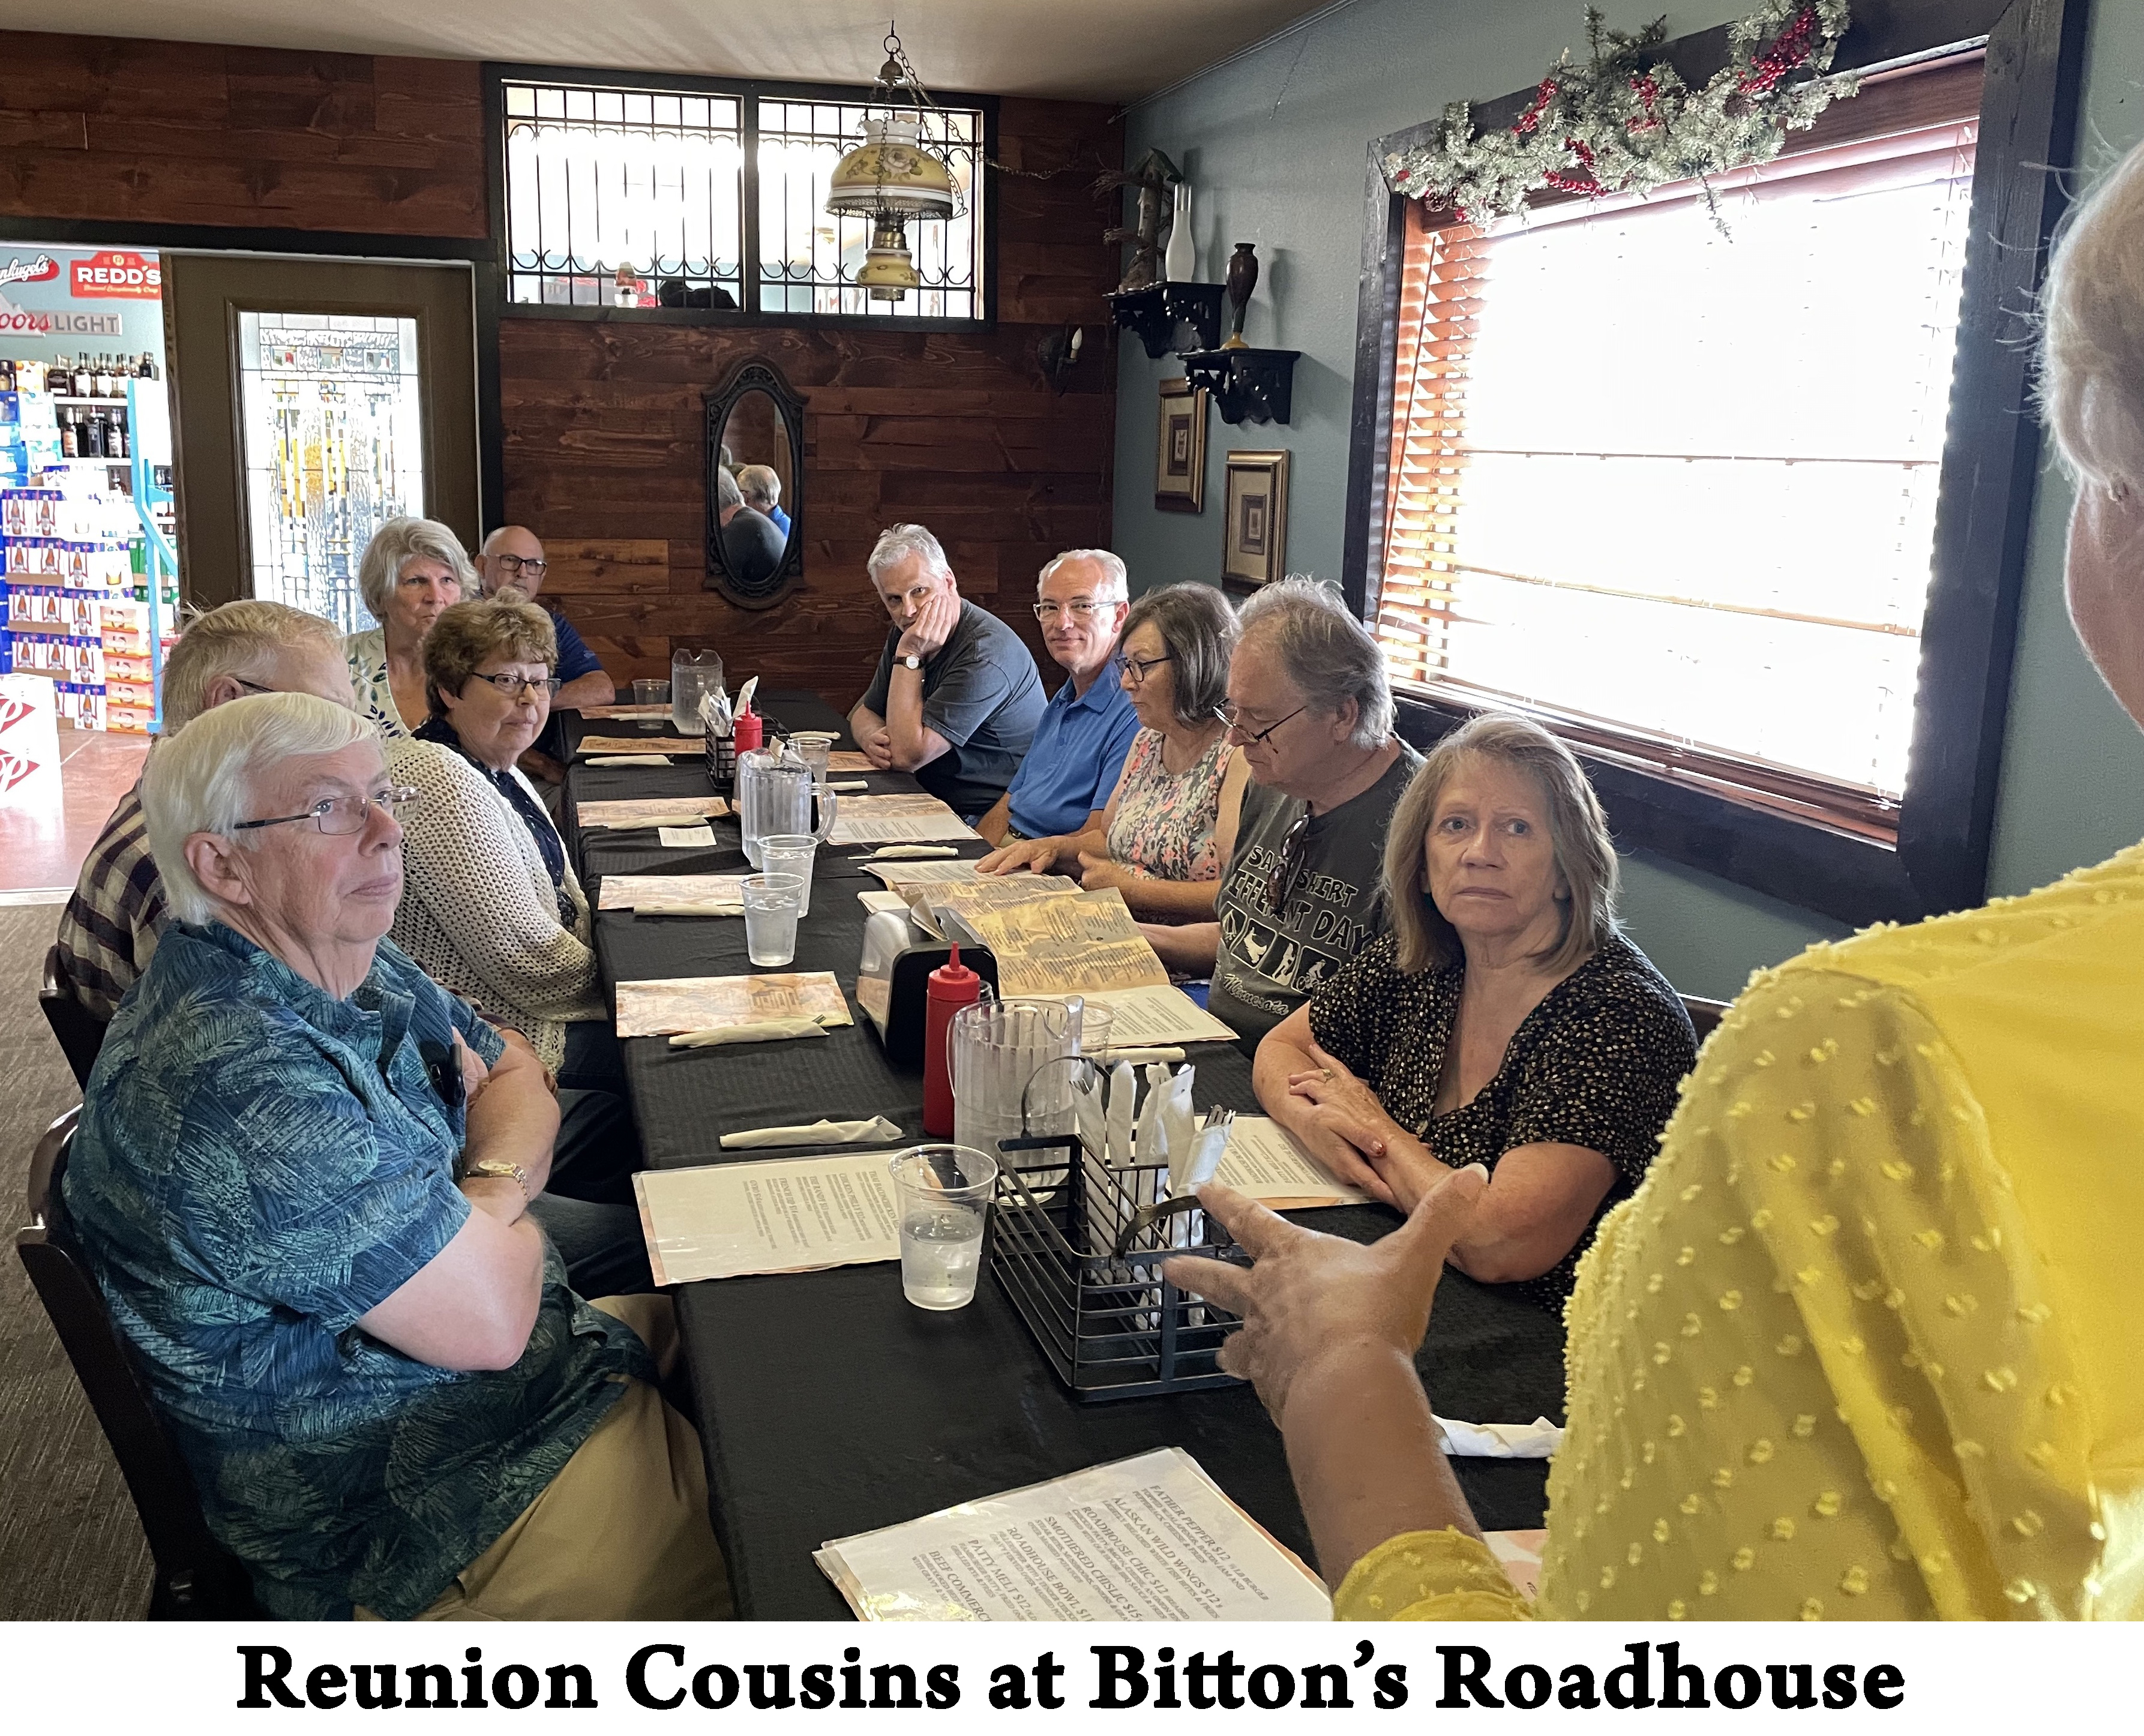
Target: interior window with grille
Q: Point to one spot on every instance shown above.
(1671, 480)
(644, 182)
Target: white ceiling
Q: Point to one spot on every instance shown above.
(1110, 50)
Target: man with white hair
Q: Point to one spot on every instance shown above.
(761, 489)
(956, 699)
(302, 1181)
(1063, 783)
(108, 930)
(1311, 704)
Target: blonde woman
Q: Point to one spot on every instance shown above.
(412, 570)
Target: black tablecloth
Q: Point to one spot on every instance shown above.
(827, 1406)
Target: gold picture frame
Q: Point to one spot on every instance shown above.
(1179, 449)
(1254, 540)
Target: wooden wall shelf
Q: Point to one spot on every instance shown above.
(1155, 312)
(1255, 384)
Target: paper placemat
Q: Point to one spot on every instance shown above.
(668, 1005)
(651, 895)
(782, 1214)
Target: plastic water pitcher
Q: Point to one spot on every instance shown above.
(1006, 1052)
(693, 675)
(774, 792)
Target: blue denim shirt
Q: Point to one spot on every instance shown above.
(1072, 766)
(258, 1165)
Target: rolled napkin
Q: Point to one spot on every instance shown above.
(876, 1131)
(696, 907)
(1537, 1440)
(906, 853)
(1140, 1056)
(760, 1030)
(850, 783)
(627, 759)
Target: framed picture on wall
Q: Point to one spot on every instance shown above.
(1255, 541)
(1179, 449)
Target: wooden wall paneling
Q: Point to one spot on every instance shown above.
(113, 130)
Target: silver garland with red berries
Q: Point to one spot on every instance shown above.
(1623, 120)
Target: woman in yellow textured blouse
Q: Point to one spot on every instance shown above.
(1864, 1345)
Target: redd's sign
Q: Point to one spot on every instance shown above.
(117, 273)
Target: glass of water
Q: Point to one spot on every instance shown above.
(771, 902)
(943, 1194)
(790, 853)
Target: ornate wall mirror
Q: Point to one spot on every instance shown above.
(755, 486)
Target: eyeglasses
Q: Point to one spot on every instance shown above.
(522, 563)
(254, 687)
(1233, 720)
(513, 686)
(339, 817)
(1081, 608)
(1288, 864)
(1133, 669)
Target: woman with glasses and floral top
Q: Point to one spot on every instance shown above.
(1171, 820)
(1502, 1020)
(493, 910)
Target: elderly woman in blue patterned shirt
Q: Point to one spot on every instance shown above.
(302, 1180)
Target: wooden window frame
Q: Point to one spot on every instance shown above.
(2028, 114)
(748, 92)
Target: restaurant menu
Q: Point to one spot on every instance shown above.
(784, 1214)
(673, 894)
(638, 745)
(1264, 1161)
(1146, 1539)
(929, 902)
(847, 759)
(1071, 945)
(640, 813)
(900, 876)
(910, 818)
(668, 1005)
(1155, 1017)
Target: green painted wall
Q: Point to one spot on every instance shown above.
(1275, 143)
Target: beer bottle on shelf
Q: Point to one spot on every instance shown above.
(83, 378)
(118, 438)
(96, 435)
(68, 448)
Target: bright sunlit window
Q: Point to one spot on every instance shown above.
(1673, 481)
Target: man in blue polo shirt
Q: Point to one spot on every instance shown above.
(1087, 728)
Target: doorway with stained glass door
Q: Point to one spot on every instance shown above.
(314, 401)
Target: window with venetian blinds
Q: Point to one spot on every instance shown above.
(1671, 483)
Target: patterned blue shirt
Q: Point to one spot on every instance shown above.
(258, 1165)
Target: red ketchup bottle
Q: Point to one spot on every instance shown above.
(750, 729)
(950, 987)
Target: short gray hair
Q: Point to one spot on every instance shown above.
(759, 484)
(902, 542)
(1116, 580)
(1325, 651)
(244, 639)
(2093, 356)
(203, 779)
(728, 494)
(395, 545)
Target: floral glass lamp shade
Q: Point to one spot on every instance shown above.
(894, 178)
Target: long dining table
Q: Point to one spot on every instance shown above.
(827, 1404)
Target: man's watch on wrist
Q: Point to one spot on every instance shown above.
(498, 1169)
(911, 661)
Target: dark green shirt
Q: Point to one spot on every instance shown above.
(258, 1165)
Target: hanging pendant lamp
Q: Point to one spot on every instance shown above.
(894, 177)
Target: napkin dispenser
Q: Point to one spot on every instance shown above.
(892, 980)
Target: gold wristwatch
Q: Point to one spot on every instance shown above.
(499, 1168)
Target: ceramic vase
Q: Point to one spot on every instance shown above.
(1180, 265)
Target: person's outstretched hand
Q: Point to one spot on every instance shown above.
(1312, 1298)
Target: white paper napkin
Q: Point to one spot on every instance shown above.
(763, 1030)
(685, 837)
(876, 1131)
(626, 759)
(1537, 1440)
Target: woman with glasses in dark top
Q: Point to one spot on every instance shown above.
(492, 909)
(1502, 1020)
(1171, 820)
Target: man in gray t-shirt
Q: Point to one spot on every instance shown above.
(1309, 703)
(955, 699)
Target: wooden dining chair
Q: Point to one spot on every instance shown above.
(197, 1578)
(80, 1032)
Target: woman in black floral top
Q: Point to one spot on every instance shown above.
(1503, 1021)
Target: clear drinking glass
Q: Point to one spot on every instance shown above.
(647, 691)
(943, 1194)
(816, 748)
(1096, 1024)
(790, 853)
(771, 902)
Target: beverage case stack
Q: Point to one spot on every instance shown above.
(78, 608)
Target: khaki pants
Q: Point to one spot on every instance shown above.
(621, 1533)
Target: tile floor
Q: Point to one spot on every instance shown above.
(42, 844)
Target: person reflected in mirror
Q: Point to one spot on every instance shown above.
(1502, 1020)
(411, 571)
(956, 699)
(512, 560)
(752, 548)
(1170, 822)
(1063, 784)
(761, 489)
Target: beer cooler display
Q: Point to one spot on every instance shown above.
(88, 575)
